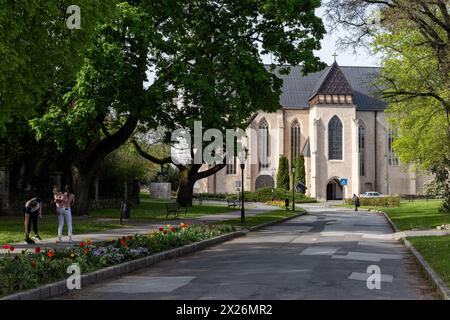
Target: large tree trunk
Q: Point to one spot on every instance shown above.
(85, 166)
(81, 187)
(188, 177)
(186, 188)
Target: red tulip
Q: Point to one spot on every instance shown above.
(81, 244)
(165, 232)
(6, 246)
(161, 229)
(50, 254)
(11, 249)
(33, 264)
(37, 250)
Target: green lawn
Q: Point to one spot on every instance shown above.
(156, 210)
(261, 218)
(436, 250)
(417, 215)
(414, 215)
(12, 229)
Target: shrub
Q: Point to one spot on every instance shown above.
(283, 173)
(261, 195)
(211, 196)
(265, 194)
(300, 173)
(391, 201)
(434, 189)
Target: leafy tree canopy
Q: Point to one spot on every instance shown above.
(39, 51)
(418, 96)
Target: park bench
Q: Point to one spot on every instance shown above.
(174, 208)
(198, 199)
(233, 203)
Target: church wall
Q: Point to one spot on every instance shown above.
(319, 170)
(382, 173)
(276, 145)
(302, 116)
(367, 181)
(326, 169)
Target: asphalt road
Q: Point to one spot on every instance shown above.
(324, 255)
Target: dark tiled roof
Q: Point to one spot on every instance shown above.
(298, 89)
(333, 81)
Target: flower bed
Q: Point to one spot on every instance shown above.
(278, 203)
(32, 269)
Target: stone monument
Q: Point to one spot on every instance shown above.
(161, 188)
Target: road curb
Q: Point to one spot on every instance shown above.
(432, 276)
(59, 288)
(268, 224)
(438, 283)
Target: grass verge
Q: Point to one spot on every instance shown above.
(436, 251)
(415, 215)
(156, 210)
(262, 218)
(12, 228)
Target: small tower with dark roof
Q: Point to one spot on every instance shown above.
(332, 88)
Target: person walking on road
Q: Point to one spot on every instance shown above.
(32, 212)
(356, 202)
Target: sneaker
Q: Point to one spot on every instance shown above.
(36, 237)
(59, 240)
(29, 241)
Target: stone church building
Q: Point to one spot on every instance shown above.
(335, 119)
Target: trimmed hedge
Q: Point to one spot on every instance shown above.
(283, 173)
(211, 196)
(261, 195)
(391, 201)
(265, 194)
(300, 174)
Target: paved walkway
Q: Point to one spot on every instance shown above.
(323, 255)
(141, 227)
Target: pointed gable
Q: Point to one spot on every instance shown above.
(332, 88)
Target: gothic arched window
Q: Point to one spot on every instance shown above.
(362, 146)
(295, 140)
(335, 139)
(264, 144)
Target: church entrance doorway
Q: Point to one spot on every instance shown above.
(334, 190)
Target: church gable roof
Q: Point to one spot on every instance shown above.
(333, 81)
(298, 89)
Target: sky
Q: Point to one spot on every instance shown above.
(345, 58)
(348, 57)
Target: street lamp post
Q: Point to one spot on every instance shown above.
(242, 184)
(293, 188)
